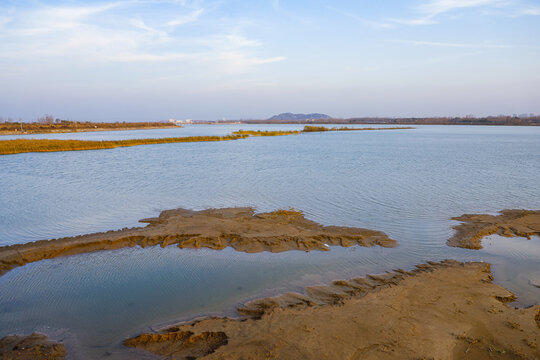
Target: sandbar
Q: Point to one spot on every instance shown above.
(31, 347)
(239, 228)
(444, 310)
(509, 223)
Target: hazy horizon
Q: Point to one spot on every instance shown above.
(148, 60)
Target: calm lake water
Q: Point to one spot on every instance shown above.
(407, 183)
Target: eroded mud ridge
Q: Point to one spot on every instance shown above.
(446, 310)
(31, 347)
(509, 223)
(240, 228)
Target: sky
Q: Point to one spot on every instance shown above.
(151, 60)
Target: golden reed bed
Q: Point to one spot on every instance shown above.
(8, 147)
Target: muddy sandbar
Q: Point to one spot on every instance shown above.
(446, 310)
(31, 347)
(239, 228)
(509, 223)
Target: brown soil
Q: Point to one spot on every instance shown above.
(509, 223)
(447, 310)
(240, 228)
(179, 344)
(31, 347)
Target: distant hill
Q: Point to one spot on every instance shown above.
(291, 116)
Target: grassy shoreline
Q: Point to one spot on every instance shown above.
(17, 146)
(17, 128)
(9, 147)
(310, 128)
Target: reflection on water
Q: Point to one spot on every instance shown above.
(515, 265)
(407, 183)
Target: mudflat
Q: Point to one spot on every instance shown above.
(239, 228)
(31, 347)
(446, 310)
(509, 223)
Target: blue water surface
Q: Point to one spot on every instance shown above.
(407, 183)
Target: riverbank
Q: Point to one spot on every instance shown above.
(10, 147)
(446, 310)
(73, 127)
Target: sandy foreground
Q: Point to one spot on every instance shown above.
(445, 310)
(239, 228)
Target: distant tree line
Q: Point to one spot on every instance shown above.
(47, 123)
(489, 120)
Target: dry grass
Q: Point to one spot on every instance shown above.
(309, 128)
(265, 133)
(291, 212)
(72, 126)
(49, 145)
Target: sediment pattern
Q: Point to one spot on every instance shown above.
(31, 347)
(509, 223)
(239, 228)
(446, 310)
(179, 344)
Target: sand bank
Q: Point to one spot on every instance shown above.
(509, 223)
(239, 228)
(447, 310)
(31, 347)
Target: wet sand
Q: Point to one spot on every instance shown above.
(239, 228)
(509, 223)
(31, 347)
(442, 310)
(447, 310)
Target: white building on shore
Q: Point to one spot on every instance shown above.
(187, 121)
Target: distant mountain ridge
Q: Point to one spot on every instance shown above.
(291, 116)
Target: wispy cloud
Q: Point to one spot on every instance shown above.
(415, 21)
(436, 7)
(101, 34)
(363, 20)
(186, 19)
(530, 11)
(140, 24)
(430, 11)
(453, 45)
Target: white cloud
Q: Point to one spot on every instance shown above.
(430, 10)
(530, 11)
(436, 7)
(99, 34)
(234, 62)
(4, 20)
(455, 45)
(419, 21)
(78, 12)
(140, 24)
(137, 57)
(367, 22)
(186, 19)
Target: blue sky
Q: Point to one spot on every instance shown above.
(155, 59)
